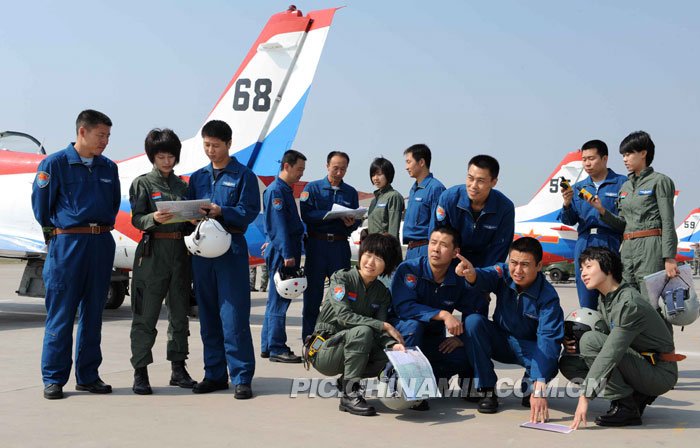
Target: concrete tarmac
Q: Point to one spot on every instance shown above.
(175, 417)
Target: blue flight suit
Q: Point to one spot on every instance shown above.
(66, 194)
(486, 241)
(221, 283)
(416, 298)
(527, 328)
(421, 205)
(326, 255)
(284, 231)
(592, 231)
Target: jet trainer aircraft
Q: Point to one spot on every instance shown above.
(263, 103)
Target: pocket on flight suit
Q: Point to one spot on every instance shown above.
(137, 297)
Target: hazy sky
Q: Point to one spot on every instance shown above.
(523, 81)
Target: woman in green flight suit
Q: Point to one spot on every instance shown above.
(161, 264)
(352, 322)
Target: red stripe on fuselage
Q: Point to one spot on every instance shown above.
(123, 225)
(12, 162)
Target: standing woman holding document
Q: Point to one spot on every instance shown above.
(161, 264)
(645, 204)
(386, 210)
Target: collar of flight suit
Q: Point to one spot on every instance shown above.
(465, 203)
(231, 167)
(533, 291)
(380, 191)
(326, 184)
(642, 174)
(608, 179)
(424, 183)
(74, 158)
(426, 272)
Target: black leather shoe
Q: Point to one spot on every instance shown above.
(287, 358)
(642, 401)
(96, 387)
(422, 405)
(205, 386)
(264, 355)
(623, 412)
(242, 392)
(141, 384)
(488, 404)
(353, 401)
(53, 392)
(180, 377)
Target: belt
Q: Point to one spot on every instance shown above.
(414, 244)
(653, 357)
(641, 234)
(92, 229)
(233, 230)
(327, 236)
(167, 235)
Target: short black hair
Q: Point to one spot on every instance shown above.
(637, 142)
(386, 247)
(337, 153)
(162, 140)
(527, 245)
(384, 166)
(420, 151)
(89, 118)
(217, 129)
(486, 162)
(291, 157)
(598, 145)
(609, 261)
(448, 230)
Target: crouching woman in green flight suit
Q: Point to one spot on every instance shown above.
(632, 365)
(161, 264)
(353, 324)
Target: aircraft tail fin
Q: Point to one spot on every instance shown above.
(546, 203)
(264, 101)
(689, 230)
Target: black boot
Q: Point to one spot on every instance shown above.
(488, 404)
(623, 412)
(180, 377)
(141, 384)
(352, 400)
(642, 401)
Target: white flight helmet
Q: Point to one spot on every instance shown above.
(390, 392)
(290, 283)
(209, 239)
(582, 320)
(679, 302)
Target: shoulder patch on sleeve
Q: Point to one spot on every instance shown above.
(277, 203)
(42, 179)
(304, 196)
(339, 292)
(499, 270)
(410, 280)
(440, 213)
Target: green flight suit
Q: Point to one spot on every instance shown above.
(385, 212)
(645, 202)
(357, 315)
(635, 326)
(165, 271)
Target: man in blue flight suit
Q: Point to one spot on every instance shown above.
(75, 198)
(483, 216)
(422, 200)
(220, 283)
(327, 247)
(284, 231)
(592, 231)
(424, 293)
(527, 326)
